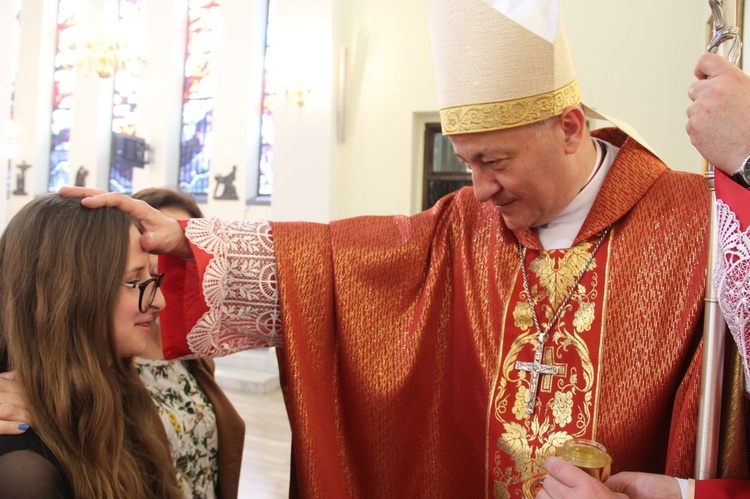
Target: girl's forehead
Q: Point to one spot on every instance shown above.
(135, 250)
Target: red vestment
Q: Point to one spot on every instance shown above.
(737, 199)
(401, 334)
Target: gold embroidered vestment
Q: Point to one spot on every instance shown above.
(401, 336)
(566, 402)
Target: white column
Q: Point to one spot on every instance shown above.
(305, 136)
(161, 97)
(238, 101)
(7, 22)
(33, 99)
(91, 133)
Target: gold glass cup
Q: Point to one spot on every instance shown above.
(589, 456)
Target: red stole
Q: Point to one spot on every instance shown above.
(566, 403)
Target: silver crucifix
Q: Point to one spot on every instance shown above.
(536, 368)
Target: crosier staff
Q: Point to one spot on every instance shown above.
(725, 41)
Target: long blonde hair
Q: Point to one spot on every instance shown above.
(61, 272)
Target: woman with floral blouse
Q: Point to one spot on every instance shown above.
(204, 431)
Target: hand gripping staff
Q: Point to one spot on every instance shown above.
(724, 41)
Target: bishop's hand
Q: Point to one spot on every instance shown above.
(160, 234)
(567, 481)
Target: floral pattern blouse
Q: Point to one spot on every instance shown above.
(190, 423)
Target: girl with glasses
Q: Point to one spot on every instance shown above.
(72, 315)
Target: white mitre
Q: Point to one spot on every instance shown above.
(500, 63)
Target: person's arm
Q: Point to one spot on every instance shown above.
(722, 488)
(237, 278)
(730, 275)
(28, 469)
(227, 300)
(567, 481)
(26, 474)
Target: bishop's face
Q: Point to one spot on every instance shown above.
(524, 171)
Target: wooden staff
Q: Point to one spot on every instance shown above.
(725, 41)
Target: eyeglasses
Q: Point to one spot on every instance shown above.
(147, 290)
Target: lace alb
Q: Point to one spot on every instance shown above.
(731, 278)
(239, 287)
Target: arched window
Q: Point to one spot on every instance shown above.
(267, 129)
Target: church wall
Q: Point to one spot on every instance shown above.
(92, 103)
(33, 99)
(303, 151)
(635, 62)
(237, 113)
(390, 78)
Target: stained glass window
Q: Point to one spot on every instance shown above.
(13, 129)
(64, 79)
(14, 55)
(131, 32)
(265, 164)
(199, 94)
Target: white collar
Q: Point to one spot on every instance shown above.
(563, 229)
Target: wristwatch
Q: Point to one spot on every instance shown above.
(742, 176)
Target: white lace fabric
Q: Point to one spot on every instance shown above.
(239, 287)
(731, 278)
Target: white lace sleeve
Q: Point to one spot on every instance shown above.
(731, 279)
(239, 287)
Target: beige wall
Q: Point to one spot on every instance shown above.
(635, 61)
(390, 78)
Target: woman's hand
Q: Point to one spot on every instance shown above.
(14, 414)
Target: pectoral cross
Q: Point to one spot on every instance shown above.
(536, 368)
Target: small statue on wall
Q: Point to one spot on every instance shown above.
(21, 179)
(227, 181)
(81, 175)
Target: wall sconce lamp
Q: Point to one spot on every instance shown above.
(297, 92)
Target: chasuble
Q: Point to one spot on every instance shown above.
(406, 342)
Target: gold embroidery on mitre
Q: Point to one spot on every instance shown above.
(509, 113)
